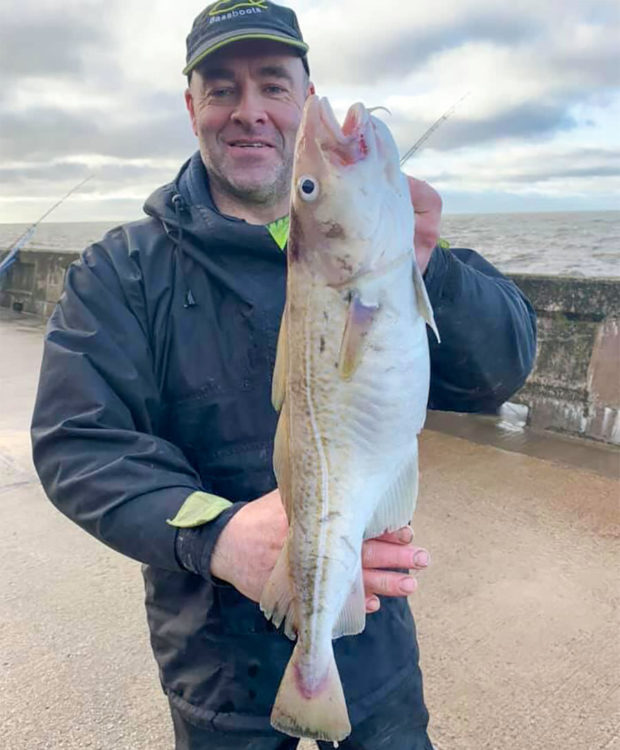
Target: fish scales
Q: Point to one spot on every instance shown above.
(351, 381)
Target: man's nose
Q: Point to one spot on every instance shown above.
(250, 109)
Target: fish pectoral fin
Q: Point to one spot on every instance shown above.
(396, 507)
(423, 302)
(278, 382)
(358, 323)
(282, 462)
(276, 601)
(352, 618)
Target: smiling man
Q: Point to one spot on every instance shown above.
(245, 104)
(153, 428)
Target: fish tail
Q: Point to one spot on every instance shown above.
(319, 713)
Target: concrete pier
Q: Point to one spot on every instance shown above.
(517, 614)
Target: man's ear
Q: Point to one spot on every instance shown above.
(189, 103)
(311, 89)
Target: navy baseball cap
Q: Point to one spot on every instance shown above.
(229, 21)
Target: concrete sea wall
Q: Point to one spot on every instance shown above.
(574, 387)
(34, 282)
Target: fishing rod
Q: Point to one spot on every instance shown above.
(432, 129)
(27, 235)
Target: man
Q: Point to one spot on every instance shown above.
(153, 427)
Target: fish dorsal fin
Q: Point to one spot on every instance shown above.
(424, 304)
(278, 383)
(359, 321)
(396, 507)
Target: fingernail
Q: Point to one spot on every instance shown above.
(406, 534)
(408, 585)
(421, 559)
(373, 604)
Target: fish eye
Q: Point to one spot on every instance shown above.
(308, 188)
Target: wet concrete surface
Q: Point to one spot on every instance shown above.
(517, 615)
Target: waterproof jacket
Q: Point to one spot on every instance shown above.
(156, 382)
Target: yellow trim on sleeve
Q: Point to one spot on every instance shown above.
(199, 508)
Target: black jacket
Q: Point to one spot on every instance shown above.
(156, 382)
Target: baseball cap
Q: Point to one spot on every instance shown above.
(229, 21)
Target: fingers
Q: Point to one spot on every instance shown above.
(388, 583)
(427, 207)
(403, 535)
(389, 551)
(424, 198)
(380, 554)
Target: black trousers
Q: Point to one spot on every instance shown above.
(398, 723)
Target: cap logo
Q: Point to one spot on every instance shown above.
(226, 6)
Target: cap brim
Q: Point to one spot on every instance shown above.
(235, 36)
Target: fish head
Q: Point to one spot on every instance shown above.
(351, 211)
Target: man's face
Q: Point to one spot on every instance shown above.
(245, 105)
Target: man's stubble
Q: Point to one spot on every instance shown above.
(269, 192)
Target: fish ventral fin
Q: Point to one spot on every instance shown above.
(278, 382)
(276, 601)
(358, 323)
(425, 308)
(396, 507)
(352, 618)
(319, 715)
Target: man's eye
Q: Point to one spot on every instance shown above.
(221, 93)
(273, 88)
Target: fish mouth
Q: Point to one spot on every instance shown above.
(348, 144)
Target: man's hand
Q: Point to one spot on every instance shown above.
(381, 555)
(248, 547)
(427, 208)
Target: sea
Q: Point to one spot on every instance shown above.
(575, 243)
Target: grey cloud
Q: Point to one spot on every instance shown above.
(37, 177)
(526, 121)
(47, 46)
(408, 49)
(557, 174)
(45, 133)
(579, 163)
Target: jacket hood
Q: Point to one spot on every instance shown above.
(191, 185)
(185, 205)
(200, 233)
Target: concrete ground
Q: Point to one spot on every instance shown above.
(517, 615)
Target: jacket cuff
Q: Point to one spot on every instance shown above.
(194, 546)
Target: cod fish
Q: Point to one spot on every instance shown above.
(351, 384)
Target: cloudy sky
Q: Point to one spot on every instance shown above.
(95, 87)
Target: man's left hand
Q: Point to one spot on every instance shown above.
(427, 208)
(379, 558)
